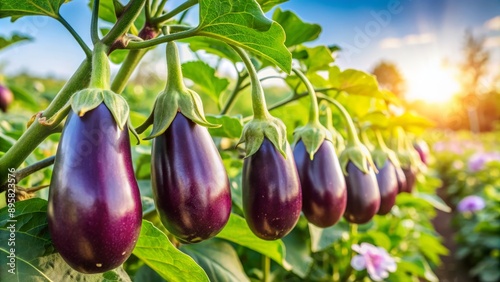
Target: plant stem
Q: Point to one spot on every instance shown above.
(314, 110)
(126, 69)
(262, 79)
(266, 268)
(100, 67)
(258, 99)
(162, 19)
(160, 40)
(160, 7)
(36, 133)
(174, 71)
(352, 137)
(353, 228)
(22, 173)
(77, 37)
(93, 23)
(232, 97)
(380, 140)
(132, 11)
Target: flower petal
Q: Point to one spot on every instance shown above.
(358, 262)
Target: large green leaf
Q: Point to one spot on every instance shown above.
(5, 42)
(231, 127)
(314, 58)
(298, 253)
(35, 257)
(322, 238)
(354, 82)
(106, 10)
(242, 23)
(267, 5)
(17, 8)
(434, 200)
(237, 231)
(204, 76)
(219, 259)
(212, 46)
(296, 30)
(155, 250)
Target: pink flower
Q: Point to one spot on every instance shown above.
(471, 204)
(377, 262)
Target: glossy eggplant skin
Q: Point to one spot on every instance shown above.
(190, 185)
(272, 196)
(423, 151)
(94, 209)
(388, 187)
(401, 178)
(324, 195)
(411, 178)
(363, 196)
(6, 97)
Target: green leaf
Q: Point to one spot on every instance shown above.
(314, 58)
(204, 77)
(118, 56)
(354, 82)
(267, 5)
(117, 106)
(106, 10)
(434, 200)
(231, 126)
(296, 30)
(17, 8)
(298, 253)
(155, 250)
(212, 46)
(242, 23)
(322, 238)
(5, 42)
(237, 231)
(20, 94)
(218, 258)
(146, 274)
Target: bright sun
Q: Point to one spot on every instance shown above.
(434, 83)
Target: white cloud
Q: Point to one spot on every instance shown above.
(493, 41)
(493, 23)
(391, 43)
(410, 39)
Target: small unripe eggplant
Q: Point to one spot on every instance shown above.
(272, 196)
(363, 196)
(423, 151)
(388, 187)
(411, 177)
(323, 185)
(401, 178)
(190, 184)
(94, 209)
(6, 98)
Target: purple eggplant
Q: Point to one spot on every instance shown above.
(323, 185)
(401, 178)
(411, 177)
(190, 185)
(6, 98)
(94, 210)
(363, 196)
(388, 187)
(423, 151)
(272, 196)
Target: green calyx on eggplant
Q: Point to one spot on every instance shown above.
(272, 196)
(387, 163)
(324, 195)
(6, 98)
(176, 97)
(94, 209)
(190, 185)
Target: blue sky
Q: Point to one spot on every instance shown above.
(417, 35)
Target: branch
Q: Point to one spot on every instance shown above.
(77, 37)
(132, 11)
(23, 173)
(160, 40)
